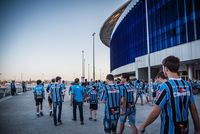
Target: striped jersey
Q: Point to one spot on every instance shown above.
(93, 94)
(111, 97)
(174, 97)
(56, 90)
(128, 93)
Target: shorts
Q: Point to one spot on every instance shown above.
(93, 106)
(110, 125)
(38, 101)
(50, 100)
(131, 118)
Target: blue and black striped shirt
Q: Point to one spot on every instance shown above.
(174, 97)
(128, 93)
(111, 97)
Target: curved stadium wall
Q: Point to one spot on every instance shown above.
(171, 23)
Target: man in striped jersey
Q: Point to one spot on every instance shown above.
(56, 93)
(128, 106)
(111, 98)
(173, 100)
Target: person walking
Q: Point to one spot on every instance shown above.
(77, 98)
(173, 100)
(128, 109)
(56, 93)
(13, 88)
(111, 98)
(39, 95)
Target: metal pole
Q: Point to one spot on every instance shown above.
(83, 65)
(93, 56)
(148, 47)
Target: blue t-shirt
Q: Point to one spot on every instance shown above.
(78, 93)
(56, 91)
(38, 91)
(174, 97)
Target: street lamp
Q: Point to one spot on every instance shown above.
(148, 47)
(83, 67)
(93, 56)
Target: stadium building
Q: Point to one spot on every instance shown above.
(173, 28)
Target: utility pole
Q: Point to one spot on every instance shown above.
(93, 56)
(83, 66)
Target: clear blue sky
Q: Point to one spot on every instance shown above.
(44, 38)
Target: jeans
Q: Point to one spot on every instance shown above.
(80, 107)
(55, 104)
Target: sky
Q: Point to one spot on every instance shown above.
(42, 39)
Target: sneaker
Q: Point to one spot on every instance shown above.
(82, 123)
(95, 119)
(41, 113)
(90, 118)
(60, 122)
(55, 124)
(38, 115)
(50, 114)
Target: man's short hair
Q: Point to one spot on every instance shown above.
(58, 78)
(53, 80)
(161, 75)
(38, 82)
(126, 76)
(76, 80)
(110, 77)
(172, 63)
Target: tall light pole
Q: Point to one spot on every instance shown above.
(83, 65)
(148, 47)
(93, 56)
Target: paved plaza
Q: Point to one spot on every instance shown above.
(17, 116)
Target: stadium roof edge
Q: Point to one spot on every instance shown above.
(109, 24)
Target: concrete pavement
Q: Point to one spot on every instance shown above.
(17, 116)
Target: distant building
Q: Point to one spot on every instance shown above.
(174, 29)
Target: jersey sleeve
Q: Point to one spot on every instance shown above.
(161, 96)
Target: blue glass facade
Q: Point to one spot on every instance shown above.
(171, 23)
(129, 39)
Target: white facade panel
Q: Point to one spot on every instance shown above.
(127, 68)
